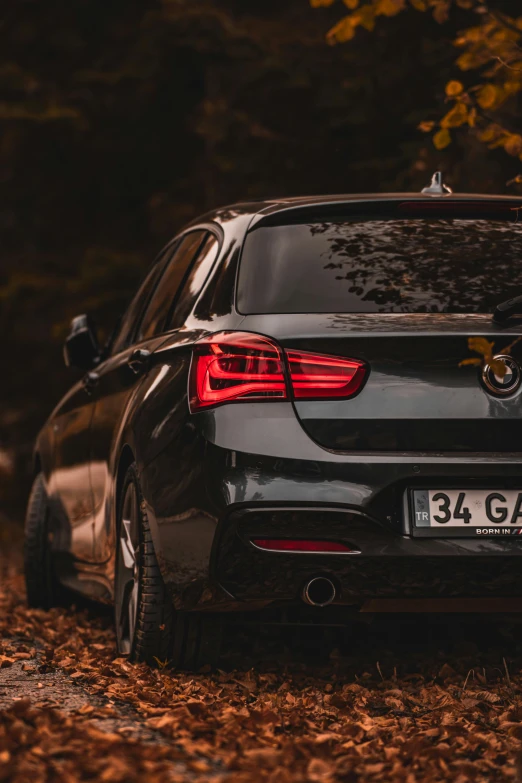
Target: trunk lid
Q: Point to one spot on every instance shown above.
(418, 397)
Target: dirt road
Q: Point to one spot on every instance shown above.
(405, 699)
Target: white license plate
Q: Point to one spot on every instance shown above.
(488, 512)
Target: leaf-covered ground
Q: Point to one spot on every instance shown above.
(404, 699)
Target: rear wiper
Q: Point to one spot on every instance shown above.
(506, 309)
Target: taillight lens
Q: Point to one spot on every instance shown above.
(324, 377)
(234, 366)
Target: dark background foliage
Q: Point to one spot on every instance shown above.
(122, 120)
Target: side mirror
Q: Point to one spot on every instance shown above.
(81, 347)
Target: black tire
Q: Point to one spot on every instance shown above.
(156, 633)
(197, 640)
(43, 588)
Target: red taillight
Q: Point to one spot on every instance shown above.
(299, 545)
(316, 376)
(233, 366)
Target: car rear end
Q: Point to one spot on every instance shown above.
(364, 438)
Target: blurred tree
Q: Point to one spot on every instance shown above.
(487, 106)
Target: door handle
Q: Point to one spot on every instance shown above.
(90, 381)
(139, 360)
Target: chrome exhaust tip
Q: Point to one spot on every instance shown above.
(319, 591)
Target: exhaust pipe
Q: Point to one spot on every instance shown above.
(319, 591)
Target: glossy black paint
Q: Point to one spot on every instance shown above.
(341, 469)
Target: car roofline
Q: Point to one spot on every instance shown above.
(258, 210)
(394, 196)
(327, 202)
(357, 198)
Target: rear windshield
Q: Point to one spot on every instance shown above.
(417, 265)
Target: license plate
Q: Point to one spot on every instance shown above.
(467, 512)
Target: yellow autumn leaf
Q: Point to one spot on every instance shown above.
(471, 35)
(498, 367)
(390, 7)
(342, 31)
(490, 134)
(483, 346)
(513, 144)
(472, 117)
(426, 126)
(512, 86)
(442, 138)
(351, 4)
(456, 117)
(365, 16)
(454, 88)
(503, 136)
(419, 5)
(467, 60)
(509, 348)
(488, 95)
(321, 3)
(441, 11)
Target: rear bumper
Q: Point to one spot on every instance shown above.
(250, 470)
(387, 566)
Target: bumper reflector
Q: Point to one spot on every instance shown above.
(300, 545)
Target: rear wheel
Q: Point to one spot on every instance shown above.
(147, 626)
(197, 640)
(43, 588)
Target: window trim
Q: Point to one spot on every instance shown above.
(187, 271)
(168, 251)
(130, 339)
(219, 239)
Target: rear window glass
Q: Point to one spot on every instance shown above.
(415, 265)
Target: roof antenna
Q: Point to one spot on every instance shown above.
(437, 186)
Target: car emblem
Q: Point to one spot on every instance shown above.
(507, 384)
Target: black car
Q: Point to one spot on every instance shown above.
(307, 409)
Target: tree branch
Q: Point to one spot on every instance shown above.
(506, 65)
(501, 19)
